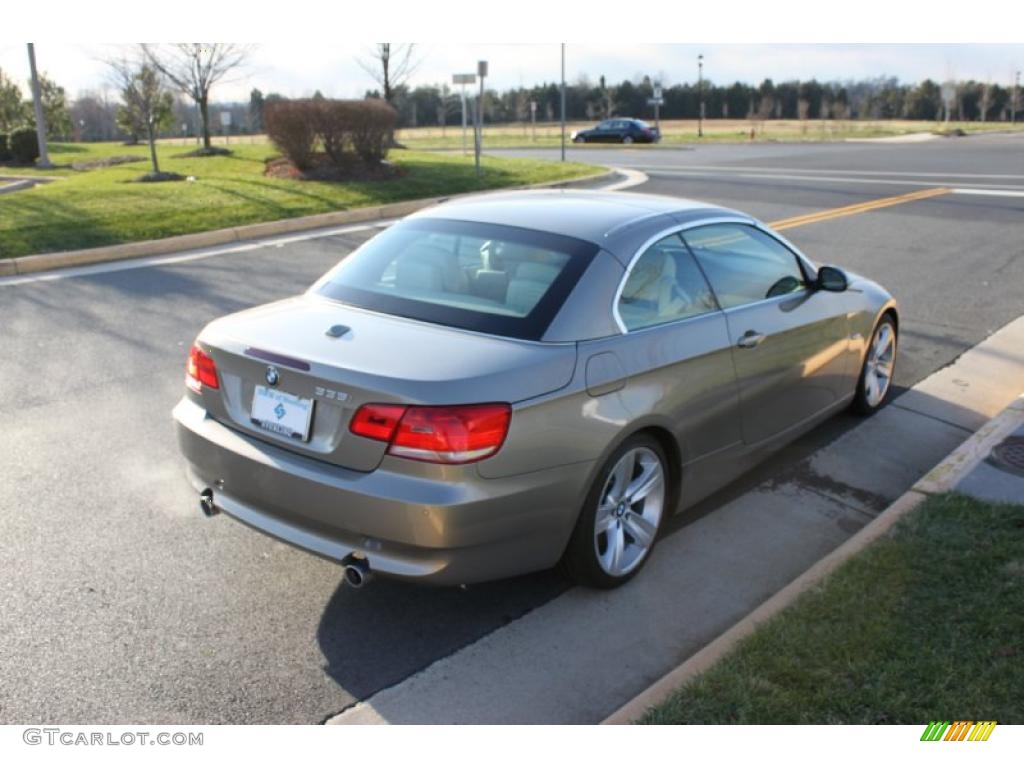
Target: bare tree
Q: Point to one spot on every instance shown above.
(390, 65)
(148, 105)
(194, 68)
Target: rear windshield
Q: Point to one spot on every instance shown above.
(494, 279)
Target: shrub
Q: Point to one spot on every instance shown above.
(5, 153)
(347, 129)
(373, 123)
(334, 126)
(23, 144)
(292, 126)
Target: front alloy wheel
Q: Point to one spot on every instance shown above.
(617, 528)
(879, 367)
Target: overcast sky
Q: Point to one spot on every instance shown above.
(297, 69)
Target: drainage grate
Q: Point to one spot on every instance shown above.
(1009, 455)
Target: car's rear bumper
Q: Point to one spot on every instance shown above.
(441, 525)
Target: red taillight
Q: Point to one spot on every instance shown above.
(377, 422)
(202, 371)
(446, 434)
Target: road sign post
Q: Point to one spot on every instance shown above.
(462, 80)
(656, 102)
(481, 71)
(533, 120)
(225, 123)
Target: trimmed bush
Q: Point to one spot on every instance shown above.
(292, 126)
(23, 144)
(349, 130)
(5, 153)
(372, 126)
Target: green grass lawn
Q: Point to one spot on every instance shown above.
(680, 132)
(83, 209)
(926, 624)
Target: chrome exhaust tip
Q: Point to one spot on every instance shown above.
(206, 505)
(357, 572)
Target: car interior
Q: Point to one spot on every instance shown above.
(471, 273)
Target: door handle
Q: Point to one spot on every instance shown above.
(750, 339)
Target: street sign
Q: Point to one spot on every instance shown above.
(655, 102)
(225, 118)
(481, 68)
(465, 79)
(657, 91)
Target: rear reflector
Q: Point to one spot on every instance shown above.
(448, 434)
(202, 371)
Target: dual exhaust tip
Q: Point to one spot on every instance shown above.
(356, 570)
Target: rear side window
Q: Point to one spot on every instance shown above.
(664, 284)
(484, 277)
(743, 264)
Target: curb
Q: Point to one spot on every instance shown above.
(942, 478)
(23, 265)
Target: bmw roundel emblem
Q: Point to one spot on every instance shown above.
(272, 375)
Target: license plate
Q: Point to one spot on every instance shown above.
(282, 413)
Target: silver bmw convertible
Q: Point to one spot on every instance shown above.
(507, 382)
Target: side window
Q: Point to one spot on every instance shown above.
(743, 264)
(665, 284)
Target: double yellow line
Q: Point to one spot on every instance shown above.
(850, 210)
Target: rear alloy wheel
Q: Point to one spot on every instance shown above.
(580, 140)
(621, 517)
(627, 139)
(878, 370)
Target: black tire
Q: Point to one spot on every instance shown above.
(580, 560)
(864, 403)
(627, 139)
(580, 140)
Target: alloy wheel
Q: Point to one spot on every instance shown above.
(878, 367)
(629, 511)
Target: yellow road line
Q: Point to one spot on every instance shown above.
(850, 210)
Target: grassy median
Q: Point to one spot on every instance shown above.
(684, 132)
(926, 624)
(104, 206)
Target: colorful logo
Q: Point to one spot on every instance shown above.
(960, 730)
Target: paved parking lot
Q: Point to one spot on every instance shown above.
(121, 604)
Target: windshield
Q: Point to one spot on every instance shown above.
(494, 279)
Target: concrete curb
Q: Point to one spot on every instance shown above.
(23, 265)
(944, 477)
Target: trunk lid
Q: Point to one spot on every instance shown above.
(373, 358)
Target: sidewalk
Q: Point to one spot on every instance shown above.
(581, 656)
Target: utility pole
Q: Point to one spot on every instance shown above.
(563, 102)
(700, 95)
(1015, 99)
(37, 100)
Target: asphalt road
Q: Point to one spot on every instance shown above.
(120, 603)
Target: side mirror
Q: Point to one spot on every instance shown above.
(832, 279)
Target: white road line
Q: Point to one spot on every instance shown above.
(838, 179)
(193, 255)
(634, 178)
(844, 171)
(994, 192)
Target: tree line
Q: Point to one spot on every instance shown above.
(882, 98)
(100, 116)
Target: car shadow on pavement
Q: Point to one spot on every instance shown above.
(376, 636)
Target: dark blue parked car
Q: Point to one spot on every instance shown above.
(619, 130)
